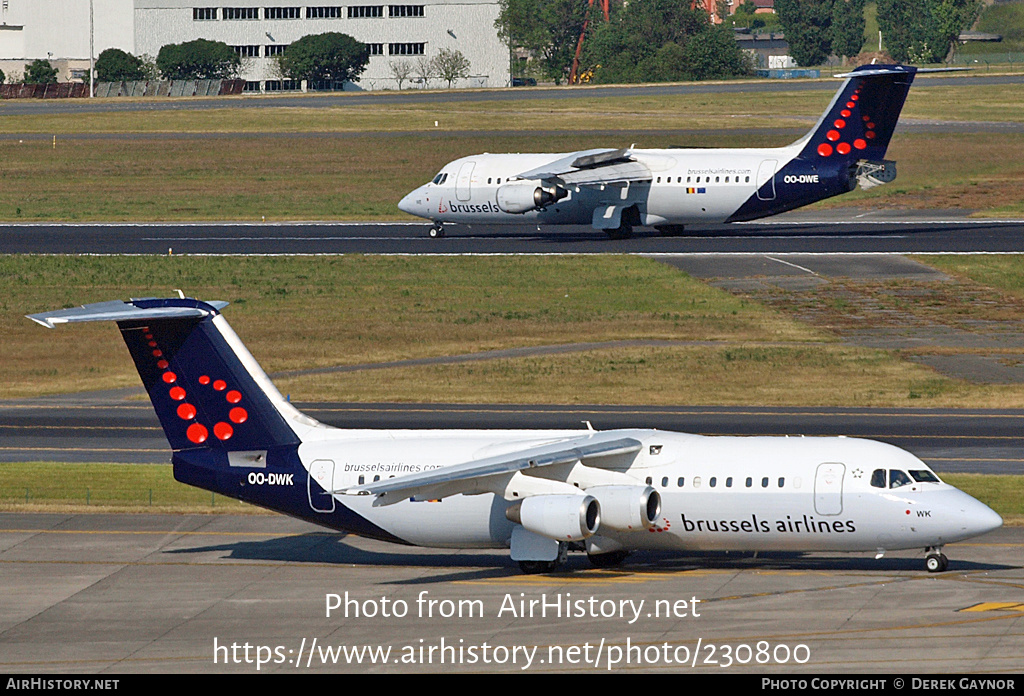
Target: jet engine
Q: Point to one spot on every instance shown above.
(523, 197)
(627, 508)
(560, 517)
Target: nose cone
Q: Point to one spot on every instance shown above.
(412, 203)
(976, 518)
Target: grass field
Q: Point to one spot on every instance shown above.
(299, 313)
(355, 162)
(56, 487)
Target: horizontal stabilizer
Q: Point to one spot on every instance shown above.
(116, 310)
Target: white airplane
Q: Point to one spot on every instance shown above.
(538, 493)
(616, 190)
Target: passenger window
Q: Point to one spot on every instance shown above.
(898, 478)
(679, 483)
(376, 478)
(664, 482)
(488, 180)
(696, 481)
(362, 480)
(750, 482)
(764, 482)
(713, 481)
(924, 476)
(878, 478)
(728, 482)
(782, 481)
(649, 480)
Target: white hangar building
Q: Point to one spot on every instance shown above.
(59, 30)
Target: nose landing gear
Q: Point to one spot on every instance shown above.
(436, 230)
(935, 561)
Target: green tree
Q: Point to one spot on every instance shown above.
(924, 31)
(657, 40)
(847, 27)
(3, 77)
(330, 57)
(550, 29)
(808, 28)
(451, 65)
(40, 72)
(113, 64)
(713, 54)
(198, 60)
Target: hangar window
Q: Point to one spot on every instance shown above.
(241, 13)
(274, 50)
(358, 11)
(405, 10)
(333, 12)
(201, 14)
(247, 51)
(376, 49)
(251, 86)
(282, 13)
(407, 49)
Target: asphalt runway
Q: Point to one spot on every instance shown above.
(75, 429)
(837, 231)
(383, 98)
(137, 594)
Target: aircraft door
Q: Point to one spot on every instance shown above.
(319, 484)
(766, 175)
(828, 488)
(462, 183)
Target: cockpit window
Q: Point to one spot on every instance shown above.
(898, 478)
(440, 178)
(924, 476)
(878, 478)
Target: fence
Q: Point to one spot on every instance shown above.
(138, 88)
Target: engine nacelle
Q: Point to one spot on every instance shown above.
(627, 508)
(560, 517)
(524, 196)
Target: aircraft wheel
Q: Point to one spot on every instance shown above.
(436, 231)
(671, 230)
(936, 562)
(607, 560)
(535, 567)
(623, 231)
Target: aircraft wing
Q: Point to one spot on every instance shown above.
(468, 477)
(592, 167)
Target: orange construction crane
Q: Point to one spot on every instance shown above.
(574, 73)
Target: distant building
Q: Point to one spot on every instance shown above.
(58, 30)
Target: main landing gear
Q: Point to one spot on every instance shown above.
(935, 561)
(436, 230)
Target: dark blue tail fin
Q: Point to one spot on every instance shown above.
(860, 121)
(206, 388)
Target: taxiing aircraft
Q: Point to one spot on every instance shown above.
(616, 190)
(539, 493)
